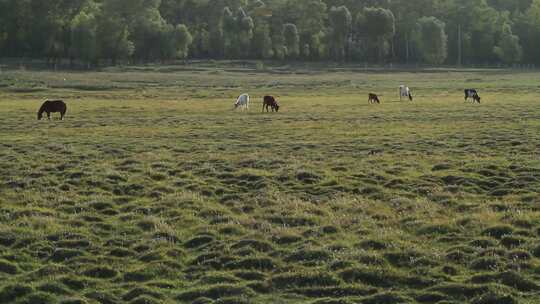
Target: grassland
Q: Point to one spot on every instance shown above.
(154, 191)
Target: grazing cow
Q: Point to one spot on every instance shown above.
(373, 98)
(471, 93)
(52, 106)
(270, 101)
(404, 91)
(242, 102)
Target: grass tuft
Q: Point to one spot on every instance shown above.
(154, 191)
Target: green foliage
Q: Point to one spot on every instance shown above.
(84, 37)
(431, 40)
(106, 31)
(147, 29)
(377, 25)
(309, 16)
(339, 32)
(201, 43)
(509, 49)
(113, 36)
(312, 15)
(262, 43)
(376, 22)
(238, 32)
(278, 45)
(292, 40)
(483, 33)
(182, 40)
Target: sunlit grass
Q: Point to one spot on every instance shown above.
(153, 190)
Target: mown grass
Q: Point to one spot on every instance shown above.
(154, 191)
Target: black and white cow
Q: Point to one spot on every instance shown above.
(404, 91)
(472, 93)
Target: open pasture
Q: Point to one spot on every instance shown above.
(154, 191)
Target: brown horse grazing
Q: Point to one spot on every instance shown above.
(270, 101)
(52, 106)
(373, 98)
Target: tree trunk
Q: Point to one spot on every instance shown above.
(392, 48)
(459, 59)
(380, 48)
(407, 49)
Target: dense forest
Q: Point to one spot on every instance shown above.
(97, 32)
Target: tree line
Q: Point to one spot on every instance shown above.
(94, 32)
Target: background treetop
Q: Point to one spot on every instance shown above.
(436, 32)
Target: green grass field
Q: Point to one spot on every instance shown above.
(154, 191)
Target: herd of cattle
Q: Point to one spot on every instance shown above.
(404, 92)
(269, 102)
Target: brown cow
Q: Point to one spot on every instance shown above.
(270, 101)
(373, 98)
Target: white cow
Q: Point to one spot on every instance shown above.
(404, 91)
(242, 102)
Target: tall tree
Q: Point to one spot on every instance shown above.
(113, 38)
(3, 28)
(245, 35)
(201, 45)
(340, 31)
(230, 30)
(406, 15)
(509, 49)
(144, 29)
(238, 32)
(292, 40)
(482, 42)
(529, 30)
(431, 40)
(378, 26)
(309, 17)
(147, 30)
(262, 43)
(182, 41)
(84, 37)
